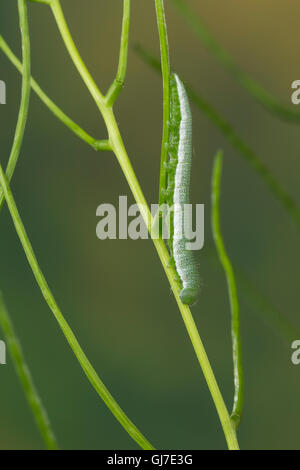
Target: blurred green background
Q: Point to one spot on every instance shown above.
(114, 293)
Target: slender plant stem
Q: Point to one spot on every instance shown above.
(90, 83)
(248, 83)
(75, 128)
(90, 372)
(186, 313)
(25, 96)
(22, 370)
(75, 346)
(118, 83)
(232, 290)
(46, 2)
(187, 317)
(118, 148)
(236, 141)
(165, 68)
(15, 349)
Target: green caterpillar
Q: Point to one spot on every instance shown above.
(178, 189)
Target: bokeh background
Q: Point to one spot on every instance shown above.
(114, 293)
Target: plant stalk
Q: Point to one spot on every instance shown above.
(118, 148)
(22, 370)
(68, 333)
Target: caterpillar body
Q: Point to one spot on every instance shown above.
(178, 189)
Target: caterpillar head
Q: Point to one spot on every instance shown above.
(189, 295)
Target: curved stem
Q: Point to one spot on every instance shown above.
(234, 303)
(68, 333)
(75, 128)
(118, 83)
(121, 154)
(165, 68)
(14, 346)
(46, 2)
(117, 146)
(22, 370)
(24, 105)
(90, 83)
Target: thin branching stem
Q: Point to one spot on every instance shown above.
(165, 67)
(254, 294)
(75, 128)
(232, 290)
(248, 83)
(118, 147)
(82, 69)
(22, 370)
(122, 156)
(25, 95)
(236, 141)
(46, 2)
(69, 335)
(118, 83)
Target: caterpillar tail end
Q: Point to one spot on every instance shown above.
(189, 295)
